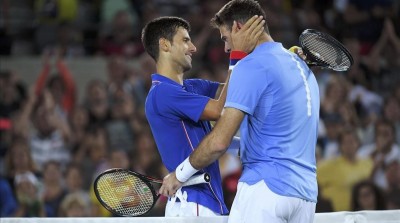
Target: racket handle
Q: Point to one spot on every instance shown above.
(198, 179)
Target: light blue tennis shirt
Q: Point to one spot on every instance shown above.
(173, 112)
(280, 98)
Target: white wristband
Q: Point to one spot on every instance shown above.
(184, 171)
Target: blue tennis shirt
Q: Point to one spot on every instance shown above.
(280, 98)
(173, 112)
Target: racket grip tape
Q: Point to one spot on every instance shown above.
(198, 179)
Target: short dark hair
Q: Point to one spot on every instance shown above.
(162, 27)
(237, 10)
(380, 203)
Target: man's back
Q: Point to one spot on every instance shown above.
(280, 97)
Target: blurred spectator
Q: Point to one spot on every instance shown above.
(335, 93)
(367, 196)
(12, 95)
(383, 60)
(349, 116)
(329, 144)
(53, 190)
(281, 17)
(119, 159)
(366, 17)
(97, 103)
(359, 73)
(12, 98)
(74, 181)
(120, 132)
(146, 159)
(383, 152)
(332, 126)
(125, 78)
(8, 203)
(92, 154)
(348, 171)
(49, 139)
(79, 122)
(61, 86)
(109, 8)
(55, 30)
(19, 160)
(120, 40)
(29, 201)
(73, 205)
(392, 174)
(306, 15)
(391, 112)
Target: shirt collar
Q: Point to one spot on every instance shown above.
(267, 46)
(163, 79)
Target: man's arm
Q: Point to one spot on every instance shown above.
(213, 108)
(210, 149)
(220, 88)
(216, 143)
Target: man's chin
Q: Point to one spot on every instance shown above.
(187, 68)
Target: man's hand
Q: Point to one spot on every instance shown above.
(299, 51)
(246, 37)
(170, 185)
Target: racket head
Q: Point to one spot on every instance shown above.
(125, 193)
(325, 51)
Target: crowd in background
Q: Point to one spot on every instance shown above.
(53, 145)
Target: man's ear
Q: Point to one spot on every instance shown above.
(236, 26)
(239, 25)
(164, 44)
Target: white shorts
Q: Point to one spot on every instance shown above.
(258, 204)
(180, 209)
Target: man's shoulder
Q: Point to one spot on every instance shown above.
(162, 89)
(195, 81)
(256, 61)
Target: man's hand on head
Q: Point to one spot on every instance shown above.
(245, 37)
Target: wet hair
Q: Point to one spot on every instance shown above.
(162, 27)
(237, 10)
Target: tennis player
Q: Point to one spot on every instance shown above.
(179, 110)
(274, 98)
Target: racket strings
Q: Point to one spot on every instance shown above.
(125, 194)
(325, 51)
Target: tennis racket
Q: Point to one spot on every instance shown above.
(324, 51)
(127, 193)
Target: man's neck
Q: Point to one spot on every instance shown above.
(169, 72)
(264, 38)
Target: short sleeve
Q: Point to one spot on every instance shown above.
(202, 87)
(175, 102)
